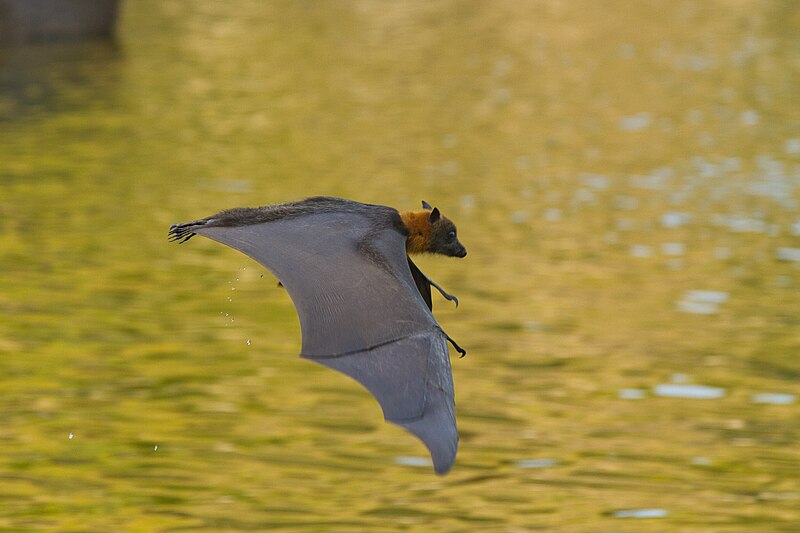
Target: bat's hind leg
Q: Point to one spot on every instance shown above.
(444, 293)
(458, 348)
(182, 232)
(447, 295)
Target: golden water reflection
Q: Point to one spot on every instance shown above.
(624, 174)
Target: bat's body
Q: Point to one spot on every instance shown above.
(364, 307)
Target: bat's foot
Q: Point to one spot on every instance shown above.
(450, 297)
(181, 233)
(458, 348)
(444, 293)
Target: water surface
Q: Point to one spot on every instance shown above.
(626, 177)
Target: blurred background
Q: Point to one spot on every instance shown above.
(625, 175)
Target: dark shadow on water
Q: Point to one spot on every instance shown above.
(46, 79)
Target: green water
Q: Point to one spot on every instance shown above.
(600, 159)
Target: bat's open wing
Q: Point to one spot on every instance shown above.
(360, 311)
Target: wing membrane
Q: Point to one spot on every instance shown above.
(361, 313)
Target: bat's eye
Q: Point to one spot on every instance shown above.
(452, 235)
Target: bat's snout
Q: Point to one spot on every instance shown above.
(462, 253)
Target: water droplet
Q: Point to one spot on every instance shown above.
(70, 436)
(248, 342)
(155, 448)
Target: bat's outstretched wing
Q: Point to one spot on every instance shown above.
(344, 264)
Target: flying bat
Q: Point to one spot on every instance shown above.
(365, 308)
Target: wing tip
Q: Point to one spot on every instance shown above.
(182, 232)
(444, 464)
(437, 430)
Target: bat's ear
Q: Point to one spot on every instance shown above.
(434, 216)
(426, 205)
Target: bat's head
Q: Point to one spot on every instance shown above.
(443, 234)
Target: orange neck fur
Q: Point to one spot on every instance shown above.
(419, 231)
